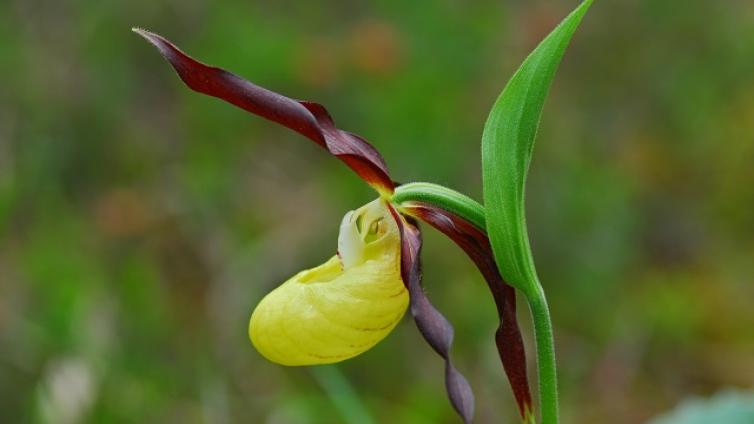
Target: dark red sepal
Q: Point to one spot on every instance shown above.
(307, 118)
(476, 244)
(437, 331)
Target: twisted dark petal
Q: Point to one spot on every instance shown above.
(307, 118)
(476, 244)
(434, 327)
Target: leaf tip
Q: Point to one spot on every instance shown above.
(585, 5)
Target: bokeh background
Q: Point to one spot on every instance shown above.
(140, 222)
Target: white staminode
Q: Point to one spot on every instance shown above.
(350, 244)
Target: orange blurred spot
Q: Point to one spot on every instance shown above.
(123, 212)
(318, 63)
(375, 47)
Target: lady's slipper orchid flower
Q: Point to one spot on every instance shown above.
(342, 307)
(348, 304)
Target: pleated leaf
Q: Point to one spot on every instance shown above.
(507, 144)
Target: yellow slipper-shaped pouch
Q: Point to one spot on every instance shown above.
(343, 307)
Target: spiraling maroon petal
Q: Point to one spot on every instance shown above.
(476, 244)
(307, 118)
(436, 330)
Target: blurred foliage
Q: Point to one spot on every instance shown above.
(728, 408)
(140, 222)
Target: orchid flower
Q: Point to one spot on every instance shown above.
(342, 307)
(345, 306)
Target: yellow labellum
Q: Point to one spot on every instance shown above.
(343, 307)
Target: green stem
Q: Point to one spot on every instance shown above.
(546, 367)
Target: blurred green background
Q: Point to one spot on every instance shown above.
(140, 222)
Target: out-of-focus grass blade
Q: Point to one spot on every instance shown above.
(344, 398)
(507, 145)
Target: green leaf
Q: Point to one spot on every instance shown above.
(507, 145)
